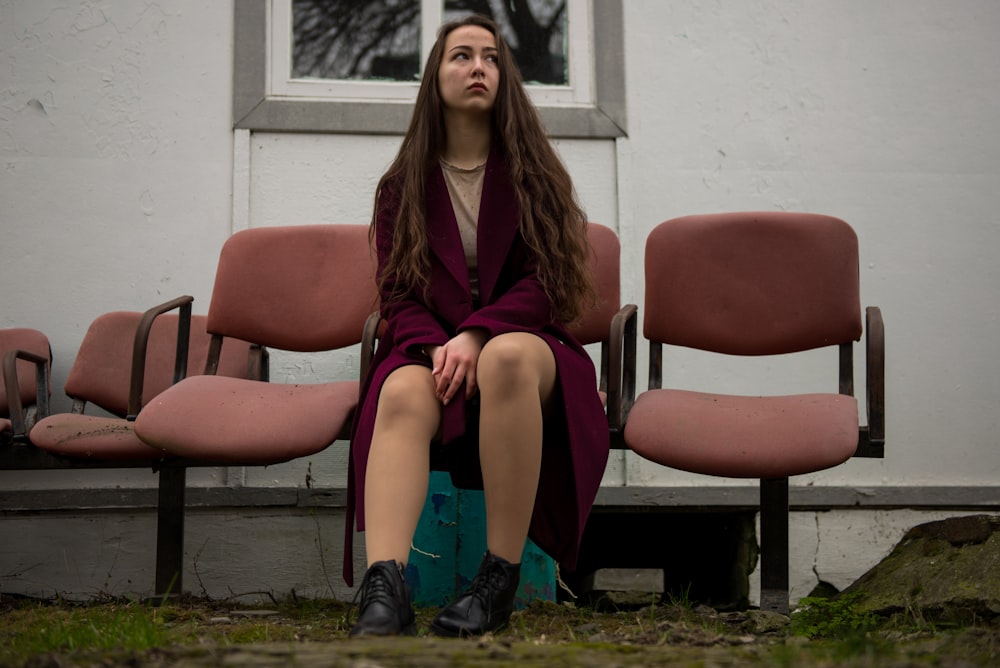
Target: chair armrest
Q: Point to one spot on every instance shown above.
(15, 406)
(621, 373)
(875, 374)
(369, 340)
(141, 342)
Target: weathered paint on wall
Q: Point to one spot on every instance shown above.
(262, 554)
(253, 554)
(121, 177)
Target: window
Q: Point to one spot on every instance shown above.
(344, 49)
(343, 66)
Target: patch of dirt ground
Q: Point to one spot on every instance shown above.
(195, 633)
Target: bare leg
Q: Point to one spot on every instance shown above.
(516, 374)
(399, 463)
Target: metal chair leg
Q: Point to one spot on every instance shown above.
(774, 545)
(170, 532)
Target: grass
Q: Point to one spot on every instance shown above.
(31, 628)
(674, 632)
(43, 628)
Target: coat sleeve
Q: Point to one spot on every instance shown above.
(414, 325)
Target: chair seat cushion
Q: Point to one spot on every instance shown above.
(239, 421)
(92, 437)
(743, 437)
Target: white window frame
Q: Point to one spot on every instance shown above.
(266, 99)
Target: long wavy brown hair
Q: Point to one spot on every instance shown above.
(553, 224)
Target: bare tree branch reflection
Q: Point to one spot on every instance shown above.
(529, 26)
(349, 39)
(345, 39)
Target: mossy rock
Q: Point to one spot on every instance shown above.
(947, 570)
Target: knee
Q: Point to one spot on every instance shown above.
(402, 395)
(505, 364)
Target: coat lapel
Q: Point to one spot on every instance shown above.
(497, 227)
(443, 237)
(498, 223)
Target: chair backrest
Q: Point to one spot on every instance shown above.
(304, 288)
(33, 341)
(752, 283)
(605, 264)
(101, 371)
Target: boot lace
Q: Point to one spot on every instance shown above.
(486, 583)
(375, 588)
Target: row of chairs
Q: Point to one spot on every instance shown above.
(736, 284)
(305, 289)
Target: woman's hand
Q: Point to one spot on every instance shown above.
(455, 362)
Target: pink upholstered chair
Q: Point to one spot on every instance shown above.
(298, 288)
(301, 288)
(28, 350)
(757, 284)
(124, 357)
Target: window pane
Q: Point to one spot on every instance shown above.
(355, 39)
(535, 30)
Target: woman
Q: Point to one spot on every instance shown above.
(482, 257)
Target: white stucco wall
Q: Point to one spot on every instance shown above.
(117, 158)
(119, 165)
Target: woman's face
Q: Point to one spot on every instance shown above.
(468, 76)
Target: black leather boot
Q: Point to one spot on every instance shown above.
(486, 605)
(385, 608)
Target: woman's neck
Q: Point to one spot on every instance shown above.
(467, 144)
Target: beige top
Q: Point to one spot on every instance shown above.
(465, 186)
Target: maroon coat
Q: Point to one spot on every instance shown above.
(576, 441)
